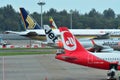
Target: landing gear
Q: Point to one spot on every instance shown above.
(60, 51)
(112, 71)
(111, 75)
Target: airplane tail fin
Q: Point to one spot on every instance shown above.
(93, 42)
(52, 23)
(97, 48)
(50, 35)
(29, 22)
(52, 39)
(70, 43)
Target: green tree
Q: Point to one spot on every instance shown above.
(109, 13)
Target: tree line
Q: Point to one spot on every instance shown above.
(11, 20)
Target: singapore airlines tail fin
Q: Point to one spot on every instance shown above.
(29, 22)
(52, 23)
(70, 43)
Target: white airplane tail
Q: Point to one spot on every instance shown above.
(50, 35)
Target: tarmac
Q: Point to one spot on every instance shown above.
(45, 67)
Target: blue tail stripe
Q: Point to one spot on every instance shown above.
(25, 14)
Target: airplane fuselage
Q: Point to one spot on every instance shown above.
(77, 54)
(113, 43)
(89, 33)
(95, 60)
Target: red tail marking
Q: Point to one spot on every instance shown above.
(69, 41)
(92, 41)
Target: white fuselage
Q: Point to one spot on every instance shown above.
(74, 31)
(110, 57)
(113, 43)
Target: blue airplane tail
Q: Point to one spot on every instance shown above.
(29, 22)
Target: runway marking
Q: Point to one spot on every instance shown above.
(3, 59)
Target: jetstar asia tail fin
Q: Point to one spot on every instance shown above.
(29, 22)
(52, 39)
(50, 35)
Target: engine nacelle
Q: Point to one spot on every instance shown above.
(59, 44)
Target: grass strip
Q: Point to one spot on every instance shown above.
(27, 53)
(23, 53)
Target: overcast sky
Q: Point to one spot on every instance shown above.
(82, 6)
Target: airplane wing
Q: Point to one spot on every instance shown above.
(105, 36)
(22, 33)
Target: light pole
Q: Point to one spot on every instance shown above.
(71, 18)
(41, 3)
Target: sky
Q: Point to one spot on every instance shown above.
(83, 6)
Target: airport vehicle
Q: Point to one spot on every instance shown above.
(77, 54)
(3, 42)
